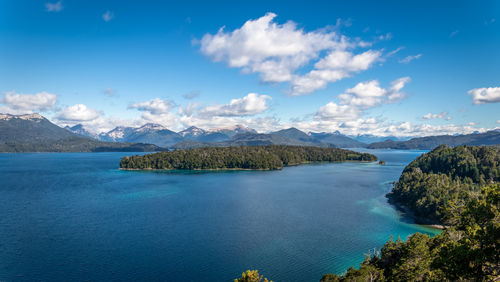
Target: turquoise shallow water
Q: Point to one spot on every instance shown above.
(76, 216)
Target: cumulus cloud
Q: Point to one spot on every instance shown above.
(336, 65)
(410, 58)
(355, 101)
(277, 51)
(27, 103)
(108, 15)
(442, 115)
(251, 104)
(77, 114)
(485, 95)
(155, 106)
(54, 7)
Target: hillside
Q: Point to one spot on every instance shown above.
(442, 176)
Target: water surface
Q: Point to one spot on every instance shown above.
(75, 216)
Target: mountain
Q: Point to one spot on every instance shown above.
(192, 132)
(369, 138)
(30, 128)
(149, 133)
(430, 142)
(338, 139)
(79, 129)
(34, 133)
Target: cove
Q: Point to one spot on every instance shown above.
(76, 216)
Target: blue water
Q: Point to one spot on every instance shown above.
(75, 216)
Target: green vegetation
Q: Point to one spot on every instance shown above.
(469, 250)
(431, 183)
(252, 157)
(251, 276)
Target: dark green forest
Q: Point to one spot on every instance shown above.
(270, 157)
(431, 183)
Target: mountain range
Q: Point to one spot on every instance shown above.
(34, 133)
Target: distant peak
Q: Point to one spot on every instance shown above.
(151, 126)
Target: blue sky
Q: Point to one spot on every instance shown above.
(404, 68)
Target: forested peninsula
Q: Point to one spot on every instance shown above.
(269, 157)
(444, 176)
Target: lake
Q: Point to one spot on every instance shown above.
(76, 216)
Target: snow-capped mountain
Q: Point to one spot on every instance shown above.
(150, 133)
(192, 131)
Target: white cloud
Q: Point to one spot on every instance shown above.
(410, 58)
(78, 113)
(54, 7)
(333, 111)
(251, 104)
(498, 121)
(108, 15)
(155, 106)
(485, 95)
(277, 51)
(442, 115)
(28, 103)
(157, 111)
(369, 94)
(336, 65)
(453, 33)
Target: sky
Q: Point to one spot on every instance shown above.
(385, 68)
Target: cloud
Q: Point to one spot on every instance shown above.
(54, 7)
(485, 95)
(251, 104)
(369, 94)
(498, 121)
(77, 114)
(157, 111)
(155, 106)
(333, 111)
(453, 33)
(355, 101)
(410, 58)
(28, 103)
(108, 15)
(442, 115)
(191, 95)
(277, 51)
(335, 66)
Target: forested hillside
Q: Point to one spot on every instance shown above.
(442, 176)
(254, 157)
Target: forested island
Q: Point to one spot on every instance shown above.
(269, 157)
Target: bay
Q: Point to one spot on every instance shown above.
(76, 216)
